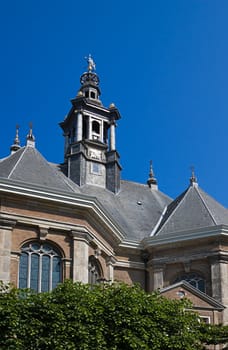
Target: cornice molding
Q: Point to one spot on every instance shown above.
(7, 224)
(81, 234)
(76, 200)
(184, 236)
(130, 264)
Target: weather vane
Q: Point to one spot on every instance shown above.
(91, 63)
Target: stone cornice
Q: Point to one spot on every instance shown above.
(81, 234)
(75, 199)
(130, 264)
(7, 224)
(185, 236)
(111, 260)
(187, 259)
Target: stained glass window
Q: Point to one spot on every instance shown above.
(40, 267)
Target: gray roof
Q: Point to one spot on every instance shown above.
(136, 208)
(193, 209)
(29, 166)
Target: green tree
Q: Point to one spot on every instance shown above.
(79, 317)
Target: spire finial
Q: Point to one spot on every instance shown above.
(17, 140)
(152, 182)
(16, 144)
(90, 78)
(193, 179)
(91, 64)
(30, 137)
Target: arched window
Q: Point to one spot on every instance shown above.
(95, 272)
(194, 279)
(40, 267)
(95, 129)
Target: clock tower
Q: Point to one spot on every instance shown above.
(90, 156)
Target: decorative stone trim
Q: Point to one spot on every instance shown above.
(7, 224)
(81, 234)
(43, 233)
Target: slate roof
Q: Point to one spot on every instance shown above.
(29, 166)
(193, 209)
(136, 208)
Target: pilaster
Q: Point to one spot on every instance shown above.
(156, 277)
(6, 228)
(110, 262)
(80, 254)
(219, 281)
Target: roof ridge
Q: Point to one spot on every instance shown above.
(153, 232)
(178, 200)
(64, 178)
(206, 206)
(18, 161)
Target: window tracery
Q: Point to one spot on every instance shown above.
(40, 267)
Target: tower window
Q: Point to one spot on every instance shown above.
(96, 127)
(92, 94)
(40, 267)
(86, 94)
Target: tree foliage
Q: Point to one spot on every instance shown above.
(108, 317)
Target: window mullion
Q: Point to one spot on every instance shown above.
(50, 272)
(40, 272)
(29, 270)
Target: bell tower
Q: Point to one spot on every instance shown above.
(90, 155)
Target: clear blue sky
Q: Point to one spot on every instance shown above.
(163, 63)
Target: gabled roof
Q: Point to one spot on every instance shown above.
(29, 166)
(191, 210)
(208, 301)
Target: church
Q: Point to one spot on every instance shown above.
(81, 220)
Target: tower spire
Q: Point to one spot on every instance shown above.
(16, 145)
(152, 181)
(30, 137)
(90, 82)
